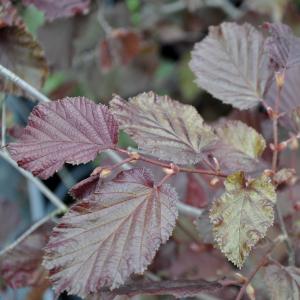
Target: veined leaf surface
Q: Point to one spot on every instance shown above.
(242, 215)
(167, 128)
(71, 130)
(231, 64)
(239, 146)
(112, 233)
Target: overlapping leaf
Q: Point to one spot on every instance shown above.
(165, 127)
(22, 266)
(9, 219)
(71, 130)
(21, 54)
(283, 47)
(283, 175)
(231, 64)
(242, 215)
(239, 146)
(112, 233)
(283, 282)
(205, 228)
(60, 9)
(177, 288)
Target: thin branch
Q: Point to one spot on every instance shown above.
(233, 282)
(40, 185)
(278, 240)
(23, 84)
(166, 178)
(30, 230)
(3, 128)
(208, 164)
(131, 149)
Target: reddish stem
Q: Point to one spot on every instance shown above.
(122, 163)
(209, 164)
(292, 138)
(242, 291)
(233, 282)
(166, 178)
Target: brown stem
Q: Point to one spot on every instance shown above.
(233, 282)
(166, 178)
(122, 163)
(213, 173)
(209, 164)
(242, 291)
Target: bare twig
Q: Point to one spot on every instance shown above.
(30, 230)
(3, 128)
(23, 84)
(47, 192)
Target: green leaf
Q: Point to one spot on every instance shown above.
(283, 282)
(284, 175)
(242, 215)
(239, 146)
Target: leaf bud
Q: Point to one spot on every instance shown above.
(214, 181)
(269, 172)
(271, 113)
(294, 145)
(272, 147)
(250, 291)
(133, 161)
(175, 168)
(134, 155)
(105, 173)
(279, 79)
(96, 171)
(282, 146)
(240, 276)
(217, 164)
(168, 171)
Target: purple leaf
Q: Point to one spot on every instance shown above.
(231, 64)
(71, 130)
(177, 288)
(9, 219)
(60, 9)
(112, 233)
(167, 128)
(283, 47)
(22, 266)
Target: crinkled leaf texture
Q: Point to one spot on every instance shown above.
(283, 175)
(71, 130)
(177, 288)
(231, 64)
(283, 47)
(22, 266)
(239, 146)
(295, 117)
(21, 54)
(60, 9)
(167, 128)
(283, 282)
(242, 215)
(112, 233)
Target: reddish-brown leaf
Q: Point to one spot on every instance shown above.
(15, 131)
(9, 15)
(122, 45)
(112, 233)
(71, 130)
(22, 266)
(177, 288)
(84, 188)
(60, 9)
(231, 64)
(9, 219)
(283, 47)
(167, 128)
(21, 54)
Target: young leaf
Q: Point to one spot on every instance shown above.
(112, 233)
(284, 174)
(283, 47)
(167, 128)
(295, 117)
(9, 219)
(242, 215)
(22, 266)
(60, 9)
(71, 130)
(231, 64)
(239, 146)
(30, 65)
(283, 282)
(177, 288)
